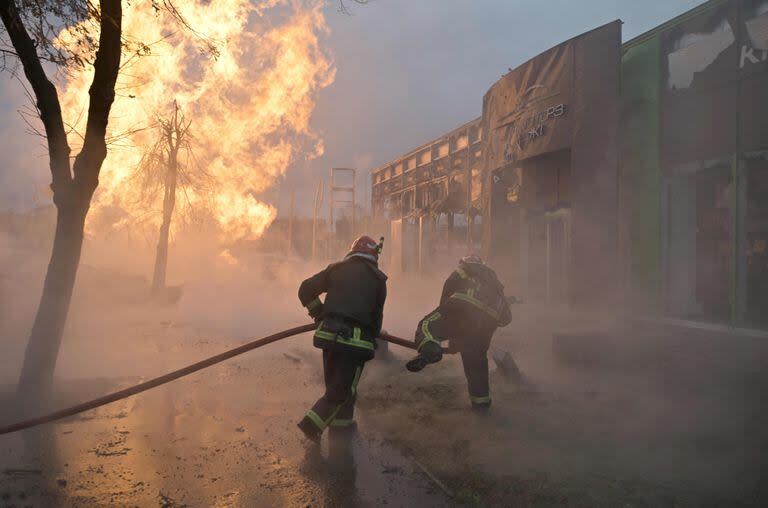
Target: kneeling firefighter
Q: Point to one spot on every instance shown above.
(471, 307)
(349, 320)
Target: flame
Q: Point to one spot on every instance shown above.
(228, 258)
(250, 106)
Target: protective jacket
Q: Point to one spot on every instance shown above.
(472, 306)
(351, 316)
(476, 288)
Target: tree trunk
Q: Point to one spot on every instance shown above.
(72, 189)
(169, 203)
(45, 339)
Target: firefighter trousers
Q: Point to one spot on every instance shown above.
(476, 371)
(446, 324)
(336, 407)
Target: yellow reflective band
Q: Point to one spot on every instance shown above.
(477, 303)
(314, 304)
(428, 337)
(480, 400)
(325, 335)
(356, 380)
(342, 422)
(333, 415)
(355, 340)
(316, 420)
(425, 341)
(425, 328)
(462, 273)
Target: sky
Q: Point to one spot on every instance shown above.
(407, 72)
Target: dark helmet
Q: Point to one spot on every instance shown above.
(472, 259)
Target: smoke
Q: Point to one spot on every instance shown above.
(654, 413)
(246, 75)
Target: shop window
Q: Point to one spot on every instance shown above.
(756, 244)
(700, 245)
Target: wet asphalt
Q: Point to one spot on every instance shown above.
(226, 436)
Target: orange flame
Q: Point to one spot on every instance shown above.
(250, 106)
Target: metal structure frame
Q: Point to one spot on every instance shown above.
(346, 190)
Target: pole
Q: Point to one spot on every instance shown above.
(332, 203)
(315, 211)
(354, 189)
(421, 245)
(290, 223)
(468, 164)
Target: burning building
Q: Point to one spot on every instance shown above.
(600, 170)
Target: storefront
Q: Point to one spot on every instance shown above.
(696, 160)
(551, 161)
(609, 173)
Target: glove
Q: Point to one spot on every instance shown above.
(316, 313)
(431, 351)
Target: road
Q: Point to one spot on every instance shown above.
(222, 437)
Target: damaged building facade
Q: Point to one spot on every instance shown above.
(603, 172)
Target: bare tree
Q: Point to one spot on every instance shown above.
(29, 38)
(169, 167)
(344, 9)
(73, 183)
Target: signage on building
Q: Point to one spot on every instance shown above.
(526, 109)
(533, 127)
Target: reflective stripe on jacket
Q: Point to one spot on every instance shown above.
(355, 340)
(478, 286)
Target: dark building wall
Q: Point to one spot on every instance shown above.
(563, 100)
(680, 218)
(697, 168)
(594, 155)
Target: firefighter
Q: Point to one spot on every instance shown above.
(472, 306)
(349, 320)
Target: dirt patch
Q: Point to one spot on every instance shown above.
(578, 438)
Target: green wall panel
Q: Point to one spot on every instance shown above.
(640, 162)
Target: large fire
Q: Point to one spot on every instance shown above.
(250, 102)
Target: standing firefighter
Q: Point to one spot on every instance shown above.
(471, 307)
(348, 322)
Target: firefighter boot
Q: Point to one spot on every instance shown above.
(339, 430)
(429, 352)
(310, 430)
(481, 409)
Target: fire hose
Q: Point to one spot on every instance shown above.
(176, 374)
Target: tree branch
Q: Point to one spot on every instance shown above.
(47, 98)
(102, 93)
(345, 10)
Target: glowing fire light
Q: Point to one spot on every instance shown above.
(250, 106)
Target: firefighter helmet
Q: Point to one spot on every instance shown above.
(472, 259)
(365, 246)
